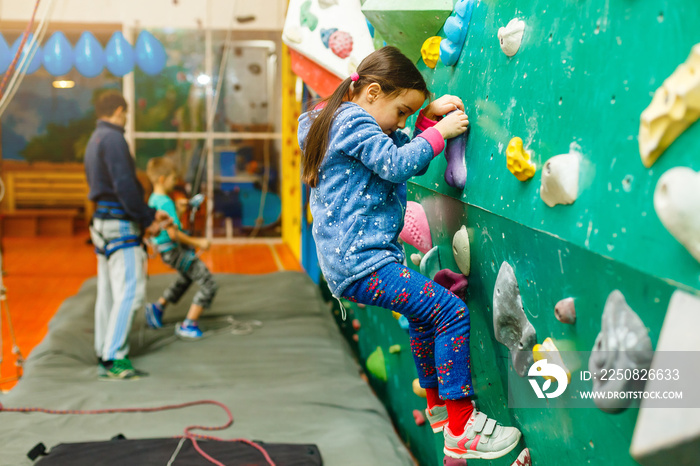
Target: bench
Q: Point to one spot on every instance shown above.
(44, 202)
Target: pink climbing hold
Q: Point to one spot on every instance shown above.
(419, 417)
(356, 338)
(340, 42)
(565, 311)
(447, 461)
(356, 324)
(455, 282)
(416, 230)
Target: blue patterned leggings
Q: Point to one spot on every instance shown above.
(438, 325)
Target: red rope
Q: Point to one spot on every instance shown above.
(188, 434)
(25, 34)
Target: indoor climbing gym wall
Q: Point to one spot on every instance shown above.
(571, 208)
(567, 217)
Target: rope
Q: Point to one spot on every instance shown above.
(188, 434)
(25, 34)
(18, 76)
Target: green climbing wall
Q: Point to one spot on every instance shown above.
(585, 71)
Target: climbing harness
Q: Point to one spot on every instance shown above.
(113, 211)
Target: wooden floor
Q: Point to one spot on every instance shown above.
(40, 273)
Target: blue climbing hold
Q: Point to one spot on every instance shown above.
(403, 323)
(326, 35)
(456, 28)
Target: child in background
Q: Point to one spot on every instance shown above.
(357, 164)
(177, 250)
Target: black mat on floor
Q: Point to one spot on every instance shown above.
(162, 451)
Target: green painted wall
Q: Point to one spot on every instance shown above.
(585, 71)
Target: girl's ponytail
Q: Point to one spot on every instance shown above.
(317, 138)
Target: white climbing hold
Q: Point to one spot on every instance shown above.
(560, 175)
(677, 203)
(461, 251)
(352, 64)
(293, 34)
(511, 36)
(327, 3)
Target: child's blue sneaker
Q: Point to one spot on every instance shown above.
(191, 331)
(154, 315)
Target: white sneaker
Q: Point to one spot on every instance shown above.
(482, 438)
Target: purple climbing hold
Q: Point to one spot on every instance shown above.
(455, 282)
(326, 35)
(456, 171)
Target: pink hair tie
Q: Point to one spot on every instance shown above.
(354, 77)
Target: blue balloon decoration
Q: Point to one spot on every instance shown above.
(89, 56)
(36, 60)
(150, 54)
(5, 57)
(58, 55)
(119, 54)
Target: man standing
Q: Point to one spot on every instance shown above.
(121, 220)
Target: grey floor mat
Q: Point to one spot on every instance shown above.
(292, 380)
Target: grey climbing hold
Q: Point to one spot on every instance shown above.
(623, 343)
(565, 311)
(461, 251)
(510, 324)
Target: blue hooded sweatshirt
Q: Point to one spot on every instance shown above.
(359, 202)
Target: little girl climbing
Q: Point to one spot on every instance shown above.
(357, 164)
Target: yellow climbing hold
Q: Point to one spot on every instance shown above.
(518, 160)
(548, 350)
(430, 51)
(418, 390)
(675, 106)
(396, 315)
(393, 349)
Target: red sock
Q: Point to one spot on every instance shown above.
(433, 398)
(458, 413)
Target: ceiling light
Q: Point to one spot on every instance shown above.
(63, 84)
